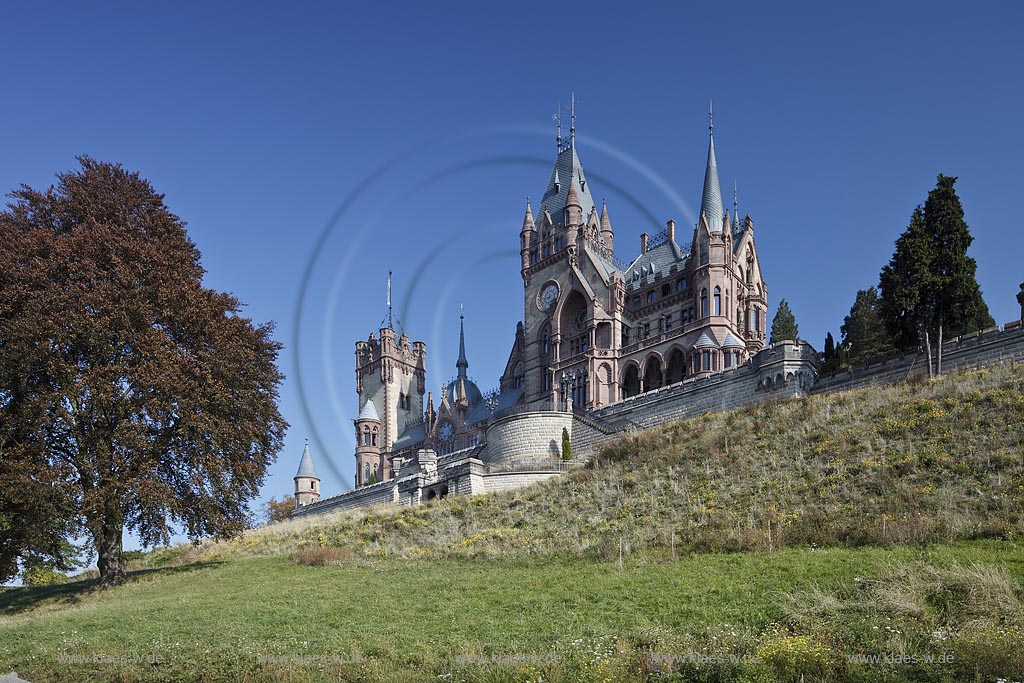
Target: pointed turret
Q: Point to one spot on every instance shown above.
(462, 364)
(711, 201)
(307, 483)
(607, 236)
(526, 237)
(528, 224)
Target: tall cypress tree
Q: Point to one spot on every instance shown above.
(864, 333)
(929, 285)
(784, 324)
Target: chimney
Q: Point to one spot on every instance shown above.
(671, 231)
(643, 243)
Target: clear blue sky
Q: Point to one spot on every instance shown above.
(259, 120)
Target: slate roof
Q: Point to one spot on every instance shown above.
(306, 468)
(369, 412)
(731, 342)
(506, 400)
(711, 200)
(567, 169)
(660, 259)
(410, 436)
(704, 341)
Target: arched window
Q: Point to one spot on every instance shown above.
(366, 473)
(703, 252)
(545, 344)
(703, 303)
(373, 437)
(757, 319)
(366, 436)
(718, 301)
(706, 358)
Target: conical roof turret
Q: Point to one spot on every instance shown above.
(528, 224)
(711, 201)
(306, 468)
(573, 199)
(606, 223)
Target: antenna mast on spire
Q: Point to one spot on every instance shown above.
(711, 117)
(389, 299)
(557, 118)
(735, 202)
(572, 122)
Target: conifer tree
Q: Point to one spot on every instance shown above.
(928, 289)
(784, 325)
(864, 333)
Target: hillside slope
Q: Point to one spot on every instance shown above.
(925, 463)
(879, 538)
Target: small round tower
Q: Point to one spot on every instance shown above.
(368, 446)
(307, 483)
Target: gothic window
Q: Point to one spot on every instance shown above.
(312, 486)
(545, 344)
(366, 436)
(665, 290)
(706, 360)
(625, 335)
(680, 284)
(668, 322)
(703, 303)
(373, 437)
(518, 382)
(757, 320)
(728, 359)
(718, 301)
(737, 357)
(547, 380)
(533, 256)
(366, 473)
(651, 296)
(703, 252)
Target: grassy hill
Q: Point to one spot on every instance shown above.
(794, 538)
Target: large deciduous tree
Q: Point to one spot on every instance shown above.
(864, 333)
(929, 290)
(131, 397)
(784, 324)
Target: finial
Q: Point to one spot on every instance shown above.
(462, 311)
(527, 202)
(711, 117)
(735, 201)
(572, 125)
(604, 202)
(307, 440)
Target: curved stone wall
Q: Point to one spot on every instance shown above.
(527, 437)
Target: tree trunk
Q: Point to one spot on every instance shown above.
(108, 546)
(928, 352)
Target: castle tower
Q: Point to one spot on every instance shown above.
(390, 374)
(368, 449)
(307, 483)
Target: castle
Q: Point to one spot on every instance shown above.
(604, 346)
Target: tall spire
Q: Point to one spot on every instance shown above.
(711, 201)
(462, 364)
